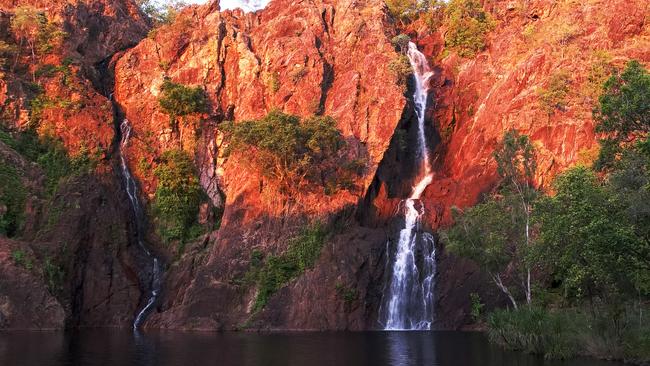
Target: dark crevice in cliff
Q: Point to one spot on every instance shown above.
(397, 170)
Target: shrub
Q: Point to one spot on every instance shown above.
(477, 306)
(7, 51)
(21, 258)
(54, 276)
(12, 200)
(291, 153)
(535, 330)
(401, 66)
(554, 95)
(178, 100)
(276, 271)
(467, 27)
(401, 42)
(177, 197)
(348, 294)
(623, 112)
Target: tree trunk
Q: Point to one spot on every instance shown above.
(504, 289)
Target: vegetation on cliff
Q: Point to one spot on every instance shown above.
(466, 22)
(275, 271)
(177, 198)
(178, 100)
(293, 154)
(589, 241)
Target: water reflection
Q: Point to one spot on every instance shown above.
(126, 348)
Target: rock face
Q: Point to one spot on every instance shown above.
(83, 268)
(326, 57)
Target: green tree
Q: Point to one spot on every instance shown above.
(624, 112)
(288, 151)
(587, 241)
(496, 234)
(554, 95)
(467, 26)
(178, 196)
(12, 200)
(178, 100)
(161, 12)
(26, 25)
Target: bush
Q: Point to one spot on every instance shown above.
(467, 27)
(21, 258)
(553, 96)
(177, 197)
(178, 100)
(12, 200)
(7, 51)
(565, 333)
(50, 154)
(401, 42)
(291, 153)
(401, 66)
(54, 276)
(534, 330)
(277, 270)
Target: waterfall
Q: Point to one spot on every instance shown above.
(132, 192)
(407, 303)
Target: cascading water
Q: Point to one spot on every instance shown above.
(407, 303)
(132, 192)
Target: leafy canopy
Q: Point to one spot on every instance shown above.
(178, 100)
(178, 196)
(495, 234)
(467, 26)
(624, 111)
(289, 151)
(587, 240)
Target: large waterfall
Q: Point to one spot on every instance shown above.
(407, 303)
(132, 192)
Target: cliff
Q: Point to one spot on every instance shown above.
(323, 57)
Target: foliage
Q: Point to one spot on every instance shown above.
(564, 333)
(348, 294)
(401, 42)
(587, 241)
(496, 233)
(22, 258)
(600, 71)
(467, 27)
(177, 196)
(50, 154)
(476, 306)
(535, 330)
(54, 276)
(12, 200)
(31, 26)
(554, 95)
(291, 152)
(161, 12)
(178, 100)
(405, 10)
(624, 111)
(401, 66)
(7, 51)
(276, 271)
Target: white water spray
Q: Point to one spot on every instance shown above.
(408, 302)
(132, 192)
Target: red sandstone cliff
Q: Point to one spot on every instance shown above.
(306, 57)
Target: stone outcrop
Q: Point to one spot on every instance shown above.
(328, 57)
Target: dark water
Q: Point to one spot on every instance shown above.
(118, 348)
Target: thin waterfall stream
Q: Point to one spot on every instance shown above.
(132, 191)
(408, 302)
